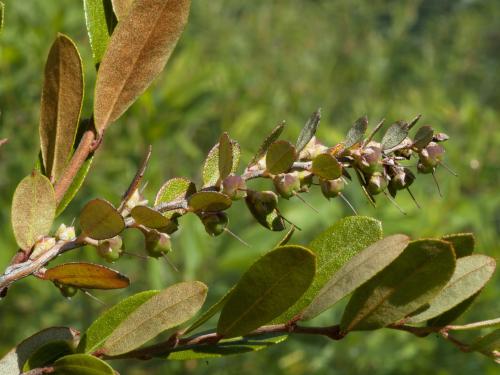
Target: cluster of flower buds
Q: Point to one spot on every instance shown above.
(111, 249)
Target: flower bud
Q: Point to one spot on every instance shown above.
(263, 202)
(67, 291)
(157, 243)
(110, 249)
(306, 180)
(287, 184)
(402, 179)
(215, 222)
(234, 187)
(136, 199)
(41, 246)
(65, 233)
(332, 188)
(431, 155)
(376, 184)
(424, 169)
(369, 159)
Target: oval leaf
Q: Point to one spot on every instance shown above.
(225, 156)
(101, 328)
(100, 22)
(470, 276)
(82, 364)
(167, 309)
(271, 138)
(60, 107)
(359, 269)
(357, 132)
(87, 276)
(395, 134)
(48, 353)
(463, 243)
(100, 220)
(175, 189)
(210, 173)
(412, 280)
(326, 167)
(148, 217)
(269, 287)
(308, 131)
(33, 209)
(137, 52)
(121, 8)
(333, 248)
(209, 201)
(280, 157)
(423, 137)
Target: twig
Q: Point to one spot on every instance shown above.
(136, 180)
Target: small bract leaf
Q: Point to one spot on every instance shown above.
(210, 173)
(87, 276)
(209, 201)
(47, 354)
(100, 220)
(412, 280)
(470, 276)
(463, 243)
(395, 134)
(167, 309)
(308, 131)
(100, 22)
(487, 343)
(214, 309)
(359, 269)
(121, 8)
(271, 138)
(357, 132)
(60, 106)
(14, 360)
(327, 167)
(233, 346)
(267, 289)
(82, 364)
(33, 209)
(76, 184)
(101, 328)
(423, 137)
(137, 52)
(280, 157)
(333, 248)
(175, 189)
(225, 156)
(148, 217)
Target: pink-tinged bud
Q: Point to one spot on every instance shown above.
(402, 179)
(215, 223)
(370, 159)
(111, 249)
(332, 188)
(234, 187)
(431, 155)
(376, 184)
(287, 184)
(157, 243)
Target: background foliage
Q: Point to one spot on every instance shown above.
(241, 67)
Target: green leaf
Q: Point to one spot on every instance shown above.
(167, 309)
(103, 327)
(463, 243)
(395, 134)
(326, 167)
(148, 217)
(47, 354)
(87, 276)
(452, 314)
(334, 248)
(76, 184)
(138, 50)
(175, 189)
(100, 22)
(209, 201)
(82, 364)
(471, 275)
(271, 138)
(280, 157)
(308, 131)
(267, 289)
(357, 132)
(412, 280)
(13, 361)
(121, 8)
(100, 220)
(214, 309)
(359, 269)
(225, 156)
(33, 209)
(423, 137)
(287, 237)
(239, 345)
(210, 173)
(487, 343)
(61, 104)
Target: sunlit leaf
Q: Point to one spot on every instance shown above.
(137, 52)
(60, 106)
(471, 275)
(225, 156)
(174, 189)
(121, 8)
(210, 173)
(423, 137)
(167, 309)
(308, 131)
(359, 269)
(33, 209)
(48, 353)
(267, 289)
(100, 22)
(87, 276)
(76, 184)
(209, 201)
(82, 364)
(395, 134)
(333, 248)
(326, 167)
(148, 217)
(280, 157)
(463, 243)
(357, 132)
(271, 138)
(412, 280)
(100, 220)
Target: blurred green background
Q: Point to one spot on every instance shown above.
(241, 67)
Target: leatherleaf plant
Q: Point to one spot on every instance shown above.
(419, 286)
